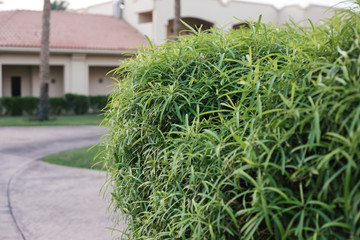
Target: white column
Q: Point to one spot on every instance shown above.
(87, 81)
(67, 77)
(79, 72)
(161, 18)
(35, 76)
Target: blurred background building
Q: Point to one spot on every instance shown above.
(87, 43)
(83, 49)
(154, 18)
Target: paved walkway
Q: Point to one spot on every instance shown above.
(42, 201)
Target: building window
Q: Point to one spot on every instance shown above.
(145, 17)
(53, 80)
(16, 86)
(101, 80)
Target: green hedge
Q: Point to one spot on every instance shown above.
(30, 105)
(16, 106)
(56, 105)
(73, 103)
(251, 134)
(79, 104)
(13, 105)
(98, 103)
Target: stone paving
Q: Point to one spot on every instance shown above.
(44, 201)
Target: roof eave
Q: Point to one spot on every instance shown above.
(65, 50)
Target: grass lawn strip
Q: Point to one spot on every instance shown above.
(65, 120)
(80, 158)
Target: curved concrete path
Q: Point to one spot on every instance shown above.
(44, 201)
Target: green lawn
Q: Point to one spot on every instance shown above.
(65, 120)
(80, 157)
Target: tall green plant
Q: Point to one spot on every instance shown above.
(251, 134)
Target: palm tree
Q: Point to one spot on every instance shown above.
(177, 22)
(59, 5)
(44, 67)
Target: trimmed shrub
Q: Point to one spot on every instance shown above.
(16, 106)
(98, 103)
(30, 105)
(56, 105)
(79, 104)
(251, 134)
(69, 99)
(1, 106)
(13, 106)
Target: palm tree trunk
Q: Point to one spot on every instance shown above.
(44, 66)
(177, 22)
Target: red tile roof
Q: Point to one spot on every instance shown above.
(22, 28)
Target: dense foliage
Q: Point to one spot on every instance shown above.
(251, 134)
(12, 106)
(56, 105)
(98, 103)
(79, 104)
(16, 106)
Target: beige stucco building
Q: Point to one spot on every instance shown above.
(70, 72)
(83, 49)
(87, 43)
(154, 17)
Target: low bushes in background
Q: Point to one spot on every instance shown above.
(16, 106)
(30, 105)
(70, 103)
(13, 106)
(251, 134)
(98, 103)
(56, 105)
(79, 104)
